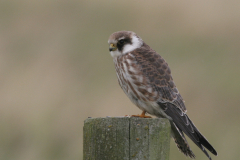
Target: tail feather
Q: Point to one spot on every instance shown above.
(181, 141)
(202, 140)
(181, 123)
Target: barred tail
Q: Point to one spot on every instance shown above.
(181, 141)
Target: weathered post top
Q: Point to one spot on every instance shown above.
(124, 138)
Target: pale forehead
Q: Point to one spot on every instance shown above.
(120, 35)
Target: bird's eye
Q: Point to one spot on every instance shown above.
(121, 41)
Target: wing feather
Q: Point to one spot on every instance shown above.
(157, 71)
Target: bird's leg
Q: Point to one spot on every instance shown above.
(142, 115)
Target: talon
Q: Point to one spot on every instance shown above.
(142, 115)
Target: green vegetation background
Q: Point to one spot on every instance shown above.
(55, 70)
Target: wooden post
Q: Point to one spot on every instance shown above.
(124, 138)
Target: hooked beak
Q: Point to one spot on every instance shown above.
(112, 47)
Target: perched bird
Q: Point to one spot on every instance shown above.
(145, 78)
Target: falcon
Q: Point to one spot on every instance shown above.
(146, 79)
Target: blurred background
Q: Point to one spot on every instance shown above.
(56, 70)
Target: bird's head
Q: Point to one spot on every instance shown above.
(123, 42)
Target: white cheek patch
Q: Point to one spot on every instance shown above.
(128, 48)
(115, 53)
(136, 43)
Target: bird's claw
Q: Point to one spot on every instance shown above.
(141, 116)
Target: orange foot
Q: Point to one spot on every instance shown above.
(142, 115)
